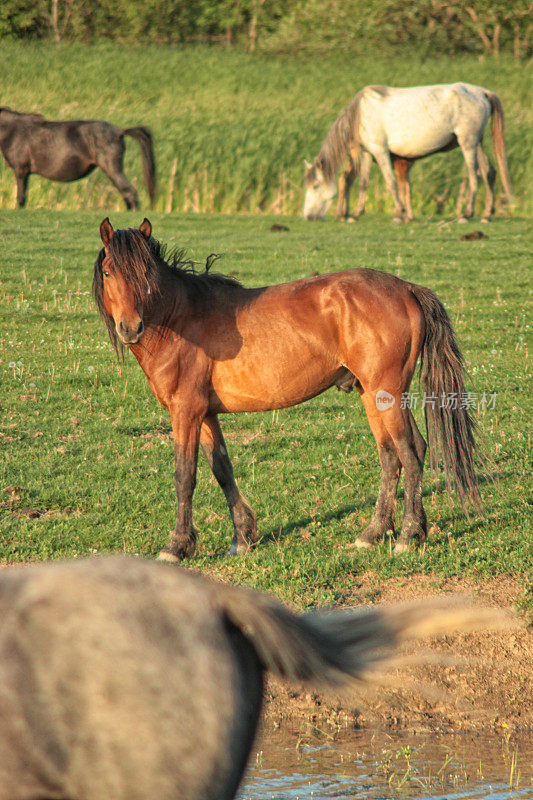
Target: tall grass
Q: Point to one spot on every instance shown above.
(231, 130)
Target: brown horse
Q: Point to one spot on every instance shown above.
(209, 346)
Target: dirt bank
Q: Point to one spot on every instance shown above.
(488, 683)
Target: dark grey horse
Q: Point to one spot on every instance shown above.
(129, 680)
(70, 150)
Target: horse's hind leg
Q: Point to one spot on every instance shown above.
(402, 167)
(411, 448)
(244, 521)
(110, 161)
(470, 156)
(488, 173)
(382, 521)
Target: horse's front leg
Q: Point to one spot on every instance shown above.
(244, 520)
(186, 425)
(365, 165)
(384, 162)
(345, 184)
(22, 186)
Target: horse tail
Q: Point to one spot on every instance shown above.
(332, 648)
(144, 137)
(498, 141)
(450, 426)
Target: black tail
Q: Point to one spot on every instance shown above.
(144, 137)
(450, 426)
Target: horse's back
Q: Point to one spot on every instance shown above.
(412, 122)
(109, 688)
(304, 334)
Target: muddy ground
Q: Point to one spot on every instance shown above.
(487, 680)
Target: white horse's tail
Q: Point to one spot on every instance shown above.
(334, 648)
(498, 142)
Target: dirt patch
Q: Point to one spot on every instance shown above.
(484, 679)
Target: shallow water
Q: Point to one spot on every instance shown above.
(289, 764)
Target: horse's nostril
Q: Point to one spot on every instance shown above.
(128, 333)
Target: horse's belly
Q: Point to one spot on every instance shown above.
(417, 126)
(70, 168)
(266, 389)
(419, 143)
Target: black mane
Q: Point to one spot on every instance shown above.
(146, 265)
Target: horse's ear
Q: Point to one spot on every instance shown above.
(106, 231)
(145, 228)
(307, 164)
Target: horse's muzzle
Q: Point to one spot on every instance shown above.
(129, 334)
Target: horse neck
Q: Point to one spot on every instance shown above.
(6, 127)
(163, 325)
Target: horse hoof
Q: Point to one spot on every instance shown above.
(397, 220)
(401, 547)
(462, 220)
(239, 549)
(484, 220)
(361, 544)
(170, 558)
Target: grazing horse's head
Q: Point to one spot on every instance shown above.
(319, 191)
(121, 280)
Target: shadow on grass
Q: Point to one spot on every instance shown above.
(154, 429)
(369, 502)
(336, 514)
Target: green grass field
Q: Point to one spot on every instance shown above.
(87, 456)
(231, 130)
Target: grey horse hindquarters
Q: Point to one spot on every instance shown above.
(119, 680)
(122, 679)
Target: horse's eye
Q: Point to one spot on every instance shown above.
(106, 274)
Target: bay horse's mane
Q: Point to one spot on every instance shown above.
(343, 136)
(147, 265)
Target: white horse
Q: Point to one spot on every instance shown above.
(398, 126)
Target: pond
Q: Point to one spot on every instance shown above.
(289, 764)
